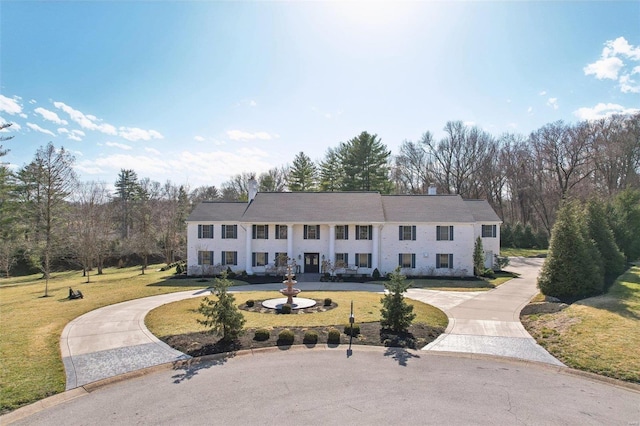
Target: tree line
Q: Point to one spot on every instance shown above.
(48, 217)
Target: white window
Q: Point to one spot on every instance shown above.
(364, 232)
(444, 233)
(489, 231)
(230, 231)
(205, 258)
(363, 260)
(229, 257)
(260, 232)
(205, 231)
(407, 260)
(342, 232)
(444, 260)
(281, 232)
(260, 259)
(406, 232)
(312, 232)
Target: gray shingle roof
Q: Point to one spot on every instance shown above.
(218, 211)
(310, 207)
(346, 207)
(482, 211)
(426, 208)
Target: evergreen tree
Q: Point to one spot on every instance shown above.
(396, 314)
(126, 192)
(222, 315)
(478, 257)
(625, 222)
(602, 235)
(331, 171)
(9, 221)
(303, 175)
(573, 268)
(365, 160)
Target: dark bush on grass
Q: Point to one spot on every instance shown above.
(250, 303)
(356, 329)
(310, 337)
(261, 335)
(285, 309)
(286, 337)
(334, 336)
(327, 301)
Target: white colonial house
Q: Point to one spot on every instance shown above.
(362, 231)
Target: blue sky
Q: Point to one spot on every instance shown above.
(196, 92)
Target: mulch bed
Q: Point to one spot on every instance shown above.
(200, 344)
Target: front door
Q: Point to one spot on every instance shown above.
(311, 263)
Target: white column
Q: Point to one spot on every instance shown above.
(332, 244)
(249, 250)
(290, 241)
(375, 250)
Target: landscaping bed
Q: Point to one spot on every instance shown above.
(202, 343)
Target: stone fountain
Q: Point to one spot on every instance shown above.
(291, 293)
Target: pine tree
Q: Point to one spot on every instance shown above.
(365, 160)
(573, 268)
(602, 235)
(126, 192)
(222, 315)
(303, 175)
(625, 222)
(331, 171)
(396, 314)
(478, 257)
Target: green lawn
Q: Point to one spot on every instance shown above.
(31, 324)
(518, 252)
(600, 334)
(180, 317)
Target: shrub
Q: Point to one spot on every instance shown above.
(261, 335)
(396, 314)
(488, 273)
(250, 303)
(179, 269)
(376, 274)
(327, 301)
(356, 329)
(230, 273)
(333, 336)
(285, 309)
(286, 337)
(310, 337)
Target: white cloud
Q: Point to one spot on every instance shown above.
(602, 110)
(119, 145)
(512, 125)
(86, 121)
(33, 101)
(40, 129)
(239, 135)
(469, 123)
(76, 135)
(10, 105)
(543, 93)
(152, 151)
(198, 138)
(253, 103)
(23, 115)
(530, 110)
(62, 130)
(50, 116)
(13, 128)
(553, 103)
(135, 134)
(611, 65)
(605, 68)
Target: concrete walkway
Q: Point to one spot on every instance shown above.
(114, 340)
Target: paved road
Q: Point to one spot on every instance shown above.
(372, 386)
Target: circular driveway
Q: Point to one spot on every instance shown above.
(369, 386)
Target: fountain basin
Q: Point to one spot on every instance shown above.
(298, 303)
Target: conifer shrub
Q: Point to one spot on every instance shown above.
(261, 335)
(285, 309)
(327, 301)
(356, 329)
(250, 303)
(333, 336)
(310, 337)
(286, 337)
